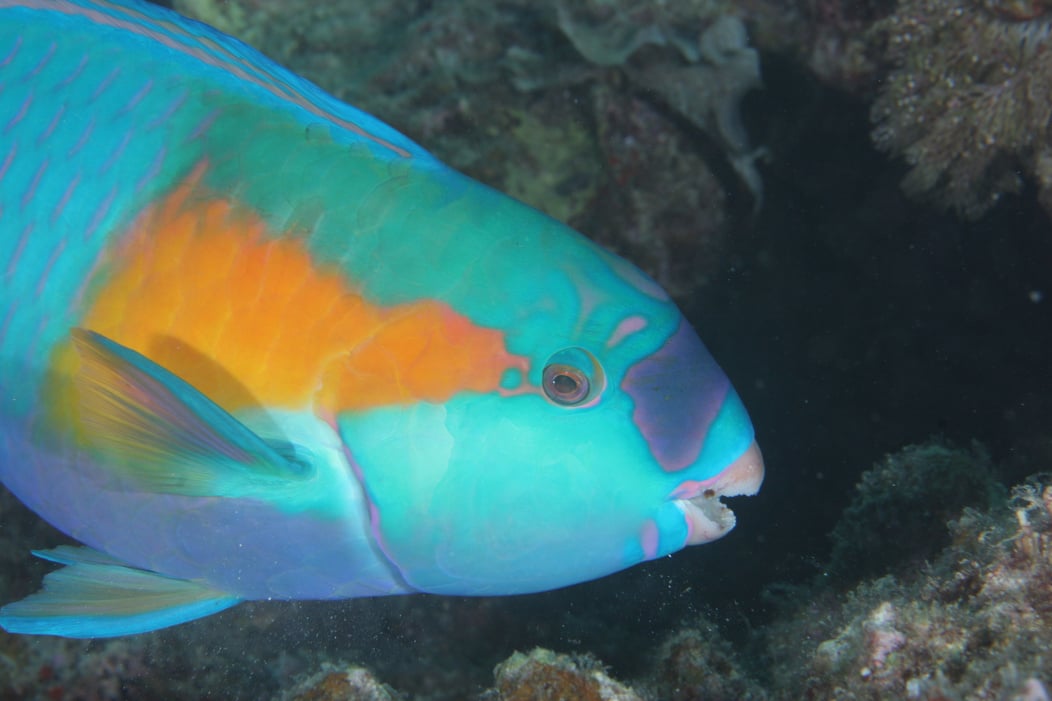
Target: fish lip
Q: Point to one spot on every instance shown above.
(708, 518)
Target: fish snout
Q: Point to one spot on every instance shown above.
(697, 430)
(708, 518)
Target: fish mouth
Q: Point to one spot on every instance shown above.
(708, 518)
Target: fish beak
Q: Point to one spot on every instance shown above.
(707, 517)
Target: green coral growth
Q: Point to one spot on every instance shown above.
(901, 506)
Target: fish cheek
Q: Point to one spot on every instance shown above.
(497, 495)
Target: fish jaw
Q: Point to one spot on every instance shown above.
(707, 517)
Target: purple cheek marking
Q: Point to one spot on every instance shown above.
(649, 539)
(678, 391)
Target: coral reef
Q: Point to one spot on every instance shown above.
(340, 682)
(698, 664)
(836, 44)
(542, 675)
(73, 670)
(969, 101)
(975, 624)
(898, 514)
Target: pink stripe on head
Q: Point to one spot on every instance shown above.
(627, 327)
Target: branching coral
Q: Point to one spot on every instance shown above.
(969, 101)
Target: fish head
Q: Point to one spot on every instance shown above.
(609, 439)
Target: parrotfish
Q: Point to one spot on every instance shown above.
(256, 344)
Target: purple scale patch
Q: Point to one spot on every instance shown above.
(677, 390)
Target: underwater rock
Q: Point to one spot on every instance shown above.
(698, 664)
(969, 102)
(543, 675)
(340, 682)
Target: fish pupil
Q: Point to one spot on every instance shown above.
(565, 384)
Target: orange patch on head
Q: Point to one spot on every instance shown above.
(200, 287)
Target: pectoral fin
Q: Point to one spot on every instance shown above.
(161, 434)
(95, 596)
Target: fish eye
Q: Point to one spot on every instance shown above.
(565, 384)
(572, 377)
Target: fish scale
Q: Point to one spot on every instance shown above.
(80, 181)
(256, 344)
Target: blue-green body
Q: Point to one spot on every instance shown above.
(212, 441)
